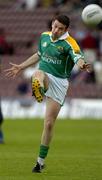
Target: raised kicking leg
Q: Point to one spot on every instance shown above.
(39, 85)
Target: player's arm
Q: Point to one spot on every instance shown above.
(83, 65)
(17, 68)
(30, 61)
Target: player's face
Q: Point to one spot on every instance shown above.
(58, 29)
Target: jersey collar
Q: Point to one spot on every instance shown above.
(64, 36)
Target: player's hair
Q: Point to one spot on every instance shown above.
(63, 19)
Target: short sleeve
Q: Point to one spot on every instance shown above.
(74, 50)
(76, 55)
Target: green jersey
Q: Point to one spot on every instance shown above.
(58, 57)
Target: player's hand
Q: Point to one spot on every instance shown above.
(86, 67)
(13, 71)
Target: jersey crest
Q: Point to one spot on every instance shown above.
(44, 44)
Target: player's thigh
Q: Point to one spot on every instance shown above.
(38, 73)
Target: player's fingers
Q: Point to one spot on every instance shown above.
(14, 65)
(8, 74)
(88, 64)
(11, 69)
(89, 69)
(7, 70)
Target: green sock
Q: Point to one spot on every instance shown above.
(43, 151)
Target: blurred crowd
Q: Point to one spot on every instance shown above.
(62, 4)
(89, 39)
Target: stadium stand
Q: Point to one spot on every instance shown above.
(23, 29)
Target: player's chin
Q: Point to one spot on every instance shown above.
(55, 36)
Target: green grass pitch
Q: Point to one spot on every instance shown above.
(75, 152)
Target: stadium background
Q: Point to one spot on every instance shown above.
(76, 150)
(22, 24)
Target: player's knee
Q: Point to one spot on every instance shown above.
(38, 74)
(49, 125)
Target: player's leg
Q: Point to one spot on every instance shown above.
(39, 85)
(52, 110)
(1, 121)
